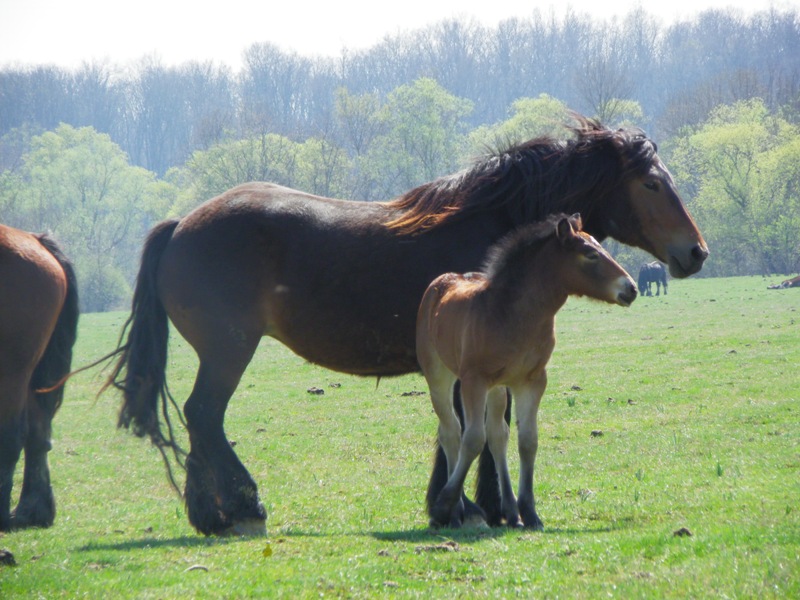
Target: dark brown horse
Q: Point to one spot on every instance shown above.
(38, 323)
(339, 282)
(496, 329)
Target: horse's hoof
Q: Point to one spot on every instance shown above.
(536, 525)
(247, 528)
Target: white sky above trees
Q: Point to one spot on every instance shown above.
(69, 33)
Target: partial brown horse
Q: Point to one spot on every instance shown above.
(789, 283)
(339, 282)
(38, 323)
(496, 330)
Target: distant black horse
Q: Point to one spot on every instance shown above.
(653, 272)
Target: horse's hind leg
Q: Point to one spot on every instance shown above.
(13, 427)
(37, 506)
(221, 496)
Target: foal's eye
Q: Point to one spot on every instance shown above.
(592, 255)
(651, 185)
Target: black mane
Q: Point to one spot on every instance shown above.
(532, 179)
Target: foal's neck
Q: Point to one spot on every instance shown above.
(532, 298)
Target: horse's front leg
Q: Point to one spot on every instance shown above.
(473, 439)
(37, 506)
(221, 496)
(497, 432)
(528, 399)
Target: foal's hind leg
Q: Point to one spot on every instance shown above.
(221, 496)
(497, 431)
(440, 383)
(472, 441)
(473, 511)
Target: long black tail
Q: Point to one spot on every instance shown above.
(140, 371)
(57, 358)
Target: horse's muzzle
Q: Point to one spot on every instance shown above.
(690, 264)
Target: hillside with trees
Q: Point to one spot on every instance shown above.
(99, 154)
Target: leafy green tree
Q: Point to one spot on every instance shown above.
(208, 173)
(530, 118)
(742, 166)
(424, 127)
(78, 184)
(315, 166)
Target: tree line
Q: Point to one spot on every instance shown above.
(732, 141)
(160, 114)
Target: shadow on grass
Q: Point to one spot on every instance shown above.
(468, 535)
(427, 535)
(184, 541)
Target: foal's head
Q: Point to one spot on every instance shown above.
(557, 255)
(585, 268)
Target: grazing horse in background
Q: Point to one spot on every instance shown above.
(652, 273)
(38, 327)
(789, 283)
(339, 282)
(496, 330)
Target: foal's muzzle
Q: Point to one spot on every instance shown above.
(627, 294)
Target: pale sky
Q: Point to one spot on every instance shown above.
(68, 33)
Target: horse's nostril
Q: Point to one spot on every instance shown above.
(699, 253)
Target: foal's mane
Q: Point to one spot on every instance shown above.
(531, 179)
(520, 244)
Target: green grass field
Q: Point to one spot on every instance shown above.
(697, 396)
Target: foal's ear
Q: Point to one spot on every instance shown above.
(565, 230)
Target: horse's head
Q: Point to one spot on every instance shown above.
(588, 269)
(661, 224)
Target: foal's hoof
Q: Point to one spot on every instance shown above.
(247, 528)
(475, 521)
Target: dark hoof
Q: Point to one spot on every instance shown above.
(534, 524)
(23, 517)
(530, 519)
(473, 514)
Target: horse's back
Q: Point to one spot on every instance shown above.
(312, 272)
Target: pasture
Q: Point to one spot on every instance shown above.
(669, 466)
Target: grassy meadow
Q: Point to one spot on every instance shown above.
(689, 486)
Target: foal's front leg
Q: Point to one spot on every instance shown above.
(528, 399)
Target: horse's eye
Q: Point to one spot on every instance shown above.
(651, 185)
(592, 255)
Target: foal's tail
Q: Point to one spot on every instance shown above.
(57, 358)
(140, 371)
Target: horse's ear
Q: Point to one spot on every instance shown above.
(577, 222)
